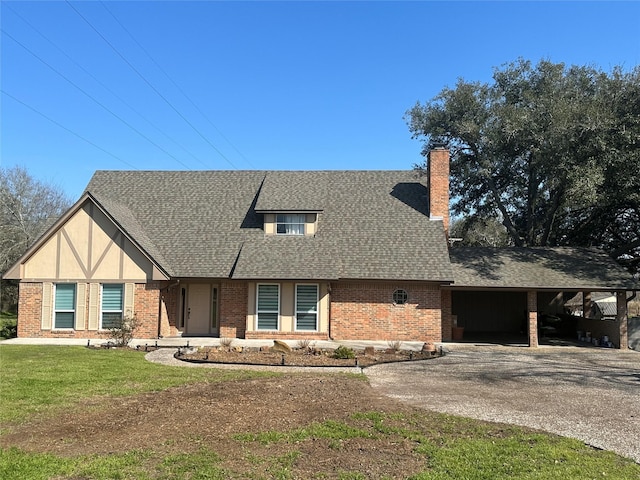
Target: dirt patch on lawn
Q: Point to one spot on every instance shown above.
(188, 418)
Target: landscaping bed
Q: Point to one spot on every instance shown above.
(302, 357)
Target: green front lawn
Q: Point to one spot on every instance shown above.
(37, 382)
(36, 378)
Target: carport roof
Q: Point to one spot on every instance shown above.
(538, 268)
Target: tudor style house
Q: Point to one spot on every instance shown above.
(357, 255)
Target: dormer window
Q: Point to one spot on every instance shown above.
(290, 224)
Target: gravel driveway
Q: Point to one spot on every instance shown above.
(589, 394)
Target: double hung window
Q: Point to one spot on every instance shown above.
(112, 303)
(268, 306)
(64, 305)
(290, 224)
(307, 307)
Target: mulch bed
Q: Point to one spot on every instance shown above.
(300, 357)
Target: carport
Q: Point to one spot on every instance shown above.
(501, 293)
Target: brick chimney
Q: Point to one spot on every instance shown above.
(439, 186)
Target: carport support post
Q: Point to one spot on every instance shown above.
(532, 312)
(621, 318)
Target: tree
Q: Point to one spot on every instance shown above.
(550, 150)
(474, 231)
(27, 208)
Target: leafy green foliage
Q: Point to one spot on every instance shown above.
(8, 325)
(552, 152)
(344, 352)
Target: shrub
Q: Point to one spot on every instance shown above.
(8, 327)
(226, 342)
(122, 332)
(394, 345)
(344, 352)
(306, 345)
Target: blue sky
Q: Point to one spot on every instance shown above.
(269, 85)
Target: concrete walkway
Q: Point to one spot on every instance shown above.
(204, 342)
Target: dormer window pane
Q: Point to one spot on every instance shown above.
(290, 224)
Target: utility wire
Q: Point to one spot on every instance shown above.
(106, 87)
(68, 129)
(151, 85)
(96, 101)
(195, 105)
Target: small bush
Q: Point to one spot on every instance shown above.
(306, 345)
(122, 332)
(226, 342)
(394, 345)
(8, 328)
(344, 352)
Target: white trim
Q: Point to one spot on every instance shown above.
(295, 307)
(303, 222)
(267, 311)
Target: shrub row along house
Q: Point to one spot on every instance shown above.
(288, 254)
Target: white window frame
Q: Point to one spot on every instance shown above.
(55, 310)
(296, 311)
(302, 220)
(110, 311)
(258, 311)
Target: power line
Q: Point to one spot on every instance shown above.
(106, 87)
(151, 85)
(195, 105)
(96, 101)
(68, 129)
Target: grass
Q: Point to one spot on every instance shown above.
(39, 378)
(43, 379)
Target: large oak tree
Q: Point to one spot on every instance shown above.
(552, 151)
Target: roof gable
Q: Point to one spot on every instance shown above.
(86, 243)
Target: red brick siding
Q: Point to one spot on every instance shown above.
(447, 320)
(439, 185)
(29, 309)
(365, 311)
(233, 309)
(146, 304)
(169, 310)
(146, 298)
(287, 335)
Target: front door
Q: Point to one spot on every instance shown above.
(201, 310)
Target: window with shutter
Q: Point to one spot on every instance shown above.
(307, 307)
(111, 305)
(268, 307)
(64, 305)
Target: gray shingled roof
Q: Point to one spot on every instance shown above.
(372, 225)
(552, 268)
